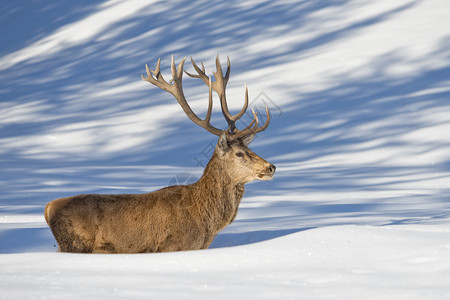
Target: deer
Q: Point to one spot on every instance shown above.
(177, 217)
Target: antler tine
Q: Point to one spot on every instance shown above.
(158, 80)
(157, 70)
(203, 68)
(220, 85)
(255, 117)
(209, 112)
(149, 72)
(227, 74)
(253, 128)
(244, 108)
(250, 126)
(176, 90)
(219, 70)
(266, 124)
(201, 72)
(173, 68)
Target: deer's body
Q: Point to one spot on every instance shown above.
(182, 217)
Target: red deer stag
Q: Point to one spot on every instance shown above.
(182, 217)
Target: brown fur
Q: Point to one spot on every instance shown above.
(184, 217)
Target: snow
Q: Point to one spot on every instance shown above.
(345, 262)
(359, 92)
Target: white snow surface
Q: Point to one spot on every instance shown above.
(360, 98)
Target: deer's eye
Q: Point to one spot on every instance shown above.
(239, 154)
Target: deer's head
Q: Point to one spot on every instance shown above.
(232, 147)
(240, 161)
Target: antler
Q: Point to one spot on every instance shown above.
(176, 89)
(219, 85)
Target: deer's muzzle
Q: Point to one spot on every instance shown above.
(268, 173)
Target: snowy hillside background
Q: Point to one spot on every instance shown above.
(360, 97)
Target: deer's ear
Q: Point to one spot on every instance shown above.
(222, 145)
(248, 139)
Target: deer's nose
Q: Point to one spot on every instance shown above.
(271, 168)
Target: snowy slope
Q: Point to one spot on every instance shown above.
(360, 97)
(345, 262)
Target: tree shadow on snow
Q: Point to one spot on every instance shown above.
(61, 93)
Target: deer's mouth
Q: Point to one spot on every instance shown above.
(265, 176)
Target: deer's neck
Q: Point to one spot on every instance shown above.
(220, 193)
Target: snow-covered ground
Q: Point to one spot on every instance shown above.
(360, 96)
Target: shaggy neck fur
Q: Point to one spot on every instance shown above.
(220, 194)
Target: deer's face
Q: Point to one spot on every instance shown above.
(241, 162)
